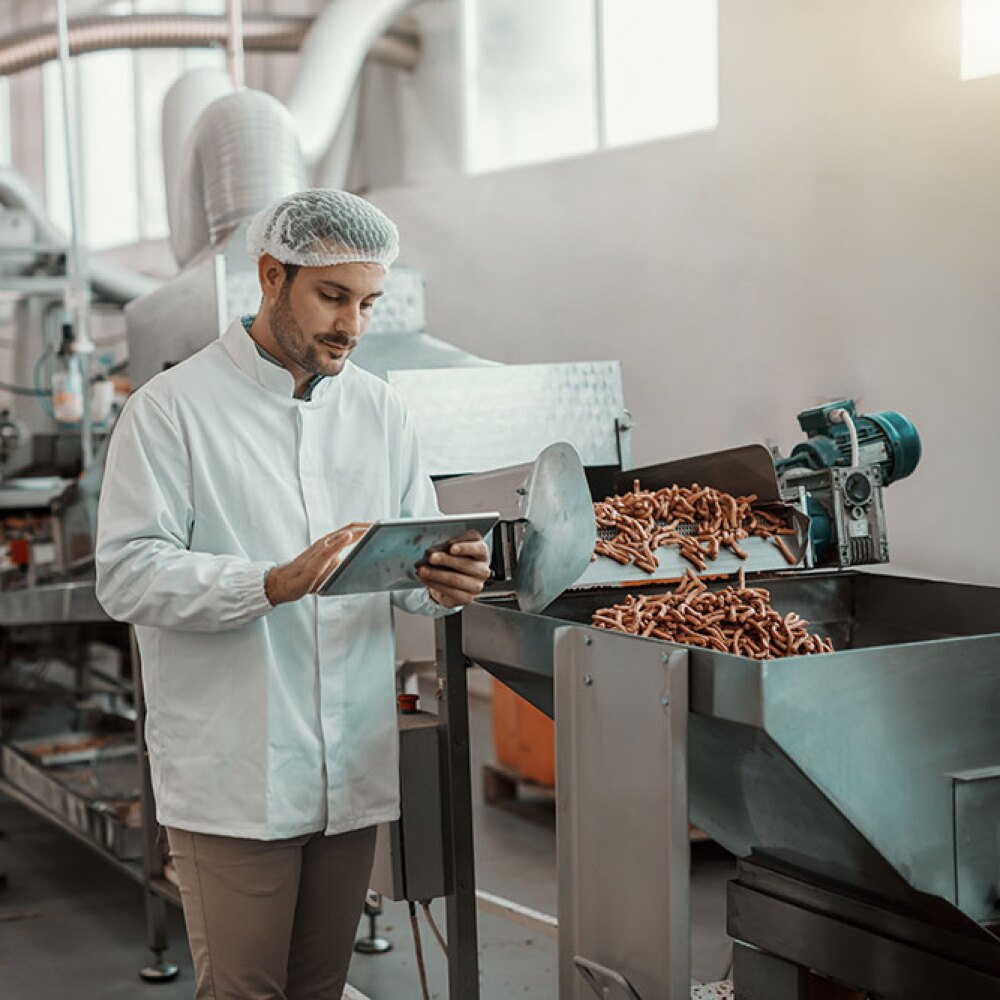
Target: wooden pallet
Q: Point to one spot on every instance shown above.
(507, 789)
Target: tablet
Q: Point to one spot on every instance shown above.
(387, 555)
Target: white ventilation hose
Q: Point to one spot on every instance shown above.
(245, 149)
(183, 104)
(241, 155)
(331, 58)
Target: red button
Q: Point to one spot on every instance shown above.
(407, 703)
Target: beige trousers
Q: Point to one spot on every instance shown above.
(272, 919)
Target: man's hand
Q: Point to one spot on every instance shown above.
(455, 577)
(306, 572)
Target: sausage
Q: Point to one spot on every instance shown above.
(738, 620)
(646, 520)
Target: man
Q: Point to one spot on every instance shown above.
(234, 482)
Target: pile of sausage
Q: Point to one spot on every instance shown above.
(736, 620)
(645, 520)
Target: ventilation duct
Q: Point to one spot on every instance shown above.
(242, 154)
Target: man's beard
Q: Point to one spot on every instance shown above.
(298, 347)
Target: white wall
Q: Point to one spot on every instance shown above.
(837, 235)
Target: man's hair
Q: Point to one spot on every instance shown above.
(290, 271)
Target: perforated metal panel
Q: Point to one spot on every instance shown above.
(401, 307)
(477, 419)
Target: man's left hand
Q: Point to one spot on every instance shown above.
(455, 577)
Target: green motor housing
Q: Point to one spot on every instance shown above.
(887, 440)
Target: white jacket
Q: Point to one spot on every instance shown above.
(262, 722)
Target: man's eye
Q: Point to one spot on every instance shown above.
(330, 298)
(368, 305)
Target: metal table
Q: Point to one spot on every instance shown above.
(75, 603)
(866, 779)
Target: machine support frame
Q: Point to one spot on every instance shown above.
(456, 806)
(621, 707)
(157, 935)
(790, 924)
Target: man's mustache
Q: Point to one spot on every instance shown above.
(347, 343)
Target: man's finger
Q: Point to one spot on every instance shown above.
(471, 550)
(467, 536)
(469, 567)
(325, 565)
(446, 579)
(322, 571)
(351, 531)
(356, 526)
(323, 544)
(340, 541)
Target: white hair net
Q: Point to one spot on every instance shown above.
(323, 226)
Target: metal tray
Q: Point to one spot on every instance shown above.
(106, 823)
(74, 748)
(740, 471)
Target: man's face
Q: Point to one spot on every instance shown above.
(319, 317)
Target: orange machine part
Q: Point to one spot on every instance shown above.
(18, 551)
(523, 737)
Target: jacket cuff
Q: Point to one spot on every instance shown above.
(432, 609)
(252, 592)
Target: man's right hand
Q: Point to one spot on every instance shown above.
(307, 572)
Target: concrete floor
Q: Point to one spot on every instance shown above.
(71, 926)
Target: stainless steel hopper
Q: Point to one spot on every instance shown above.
(860, 788)
(870, 766)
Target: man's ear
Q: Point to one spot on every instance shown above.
(271, 274)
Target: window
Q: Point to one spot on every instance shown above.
(530, 78)
(106, 160)
(660, 69)
(557, 78)
(980, 38)
(119, 101)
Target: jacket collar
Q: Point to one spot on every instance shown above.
(242, 348)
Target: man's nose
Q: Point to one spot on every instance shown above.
(349, 322)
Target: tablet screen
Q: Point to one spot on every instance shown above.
(386, 557)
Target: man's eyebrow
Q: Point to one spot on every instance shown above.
(347, 288)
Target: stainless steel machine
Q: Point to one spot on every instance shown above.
(859, 789)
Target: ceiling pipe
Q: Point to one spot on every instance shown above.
(261, 33)
(234, 42)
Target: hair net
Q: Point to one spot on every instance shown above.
(323, 226)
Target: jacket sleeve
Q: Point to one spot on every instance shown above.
(146, 571)
(418, 499)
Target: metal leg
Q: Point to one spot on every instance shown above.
(621, 709)
(760, 976)
(159, 971)
(456, 786)
(374, 943)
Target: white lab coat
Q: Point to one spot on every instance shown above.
(262, 722)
